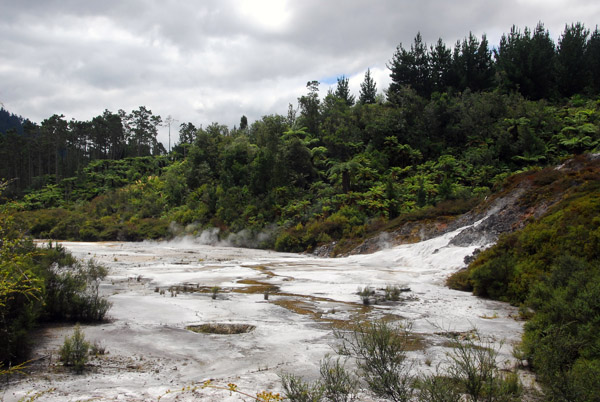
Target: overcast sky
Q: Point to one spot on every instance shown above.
(216, 60)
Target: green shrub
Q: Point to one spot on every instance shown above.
(508, 270)
(71, 287)
(287, 241)
(88, 231)
(392, 292)
(41, 222)
(459, 281)
(438, 388)
(42, 283)
(68, 228)
(147, 228)
(296, 389)
(470, 373)
(338, 384)
(380, 352)
(74, 351)
(473, 368)
(562, 338)
(365, 295)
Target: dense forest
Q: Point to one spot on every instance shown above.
(454, 125)
(36, 155)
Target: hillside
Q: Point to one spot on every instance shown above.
(547, 262)
(274, 185)
(523, 199)
(453, 125)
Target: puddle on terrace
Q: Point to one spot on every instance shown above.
(323, 311)
(262, 269)
(358, 315)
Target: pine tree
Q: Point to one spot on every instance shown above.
(485, 69)
(309, 108)
(472, 64)
(592, 55)
(512, 61)
(243, 123)
(525, 62)
(541, 56)
(368, 90)
(421, 67)
(410, 68)
(570, 61)
(343, 91)
(400, 71)
(440, 64)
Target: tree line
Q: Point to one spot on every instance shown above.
(33, 155)
(525, 61)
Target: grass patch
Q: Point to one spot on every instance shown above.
(221, 328)
(256, 287)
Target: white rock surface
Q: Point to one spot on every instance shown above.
(150, 351)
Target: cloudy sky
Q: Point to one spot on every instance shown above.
(216, 60)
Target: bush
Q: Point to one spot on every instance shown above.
(380, 352)
(471, 370)
(365, 295)
(288, 242)
(41, 283)
(438, 388)
(72, 288)
(74, 351)
(459, 281)
(297, 390)
(338, 384)
(561, 340)
(551, 269)
(474, 370)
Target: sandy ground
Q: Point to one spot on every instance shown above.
(159, 289)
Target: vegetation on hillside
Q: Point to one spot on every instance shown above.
(367, 165)
(551, 268)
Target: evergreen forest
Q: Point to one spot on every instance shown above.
(456, 125)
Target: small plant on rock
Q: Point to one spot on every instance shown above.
(97, 349)
(473, 368)
(392, 293)
(365, 294)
